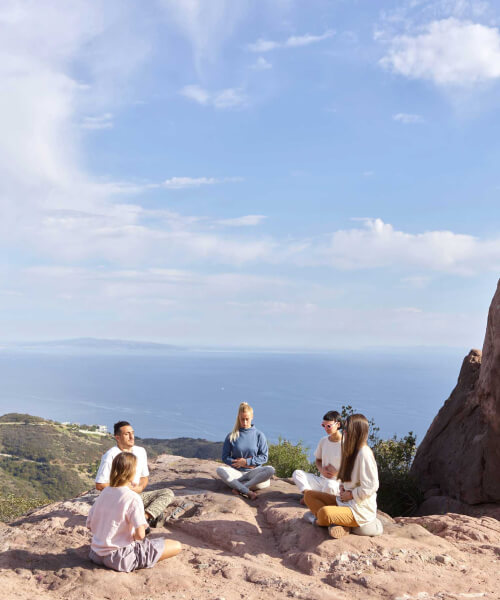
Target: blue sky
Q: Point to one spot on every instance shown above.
(274, 173)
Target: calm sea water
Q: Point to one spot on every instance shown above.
(196, 394)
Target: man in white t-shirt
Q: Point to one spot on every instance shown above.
(328, 455)
(155, 502)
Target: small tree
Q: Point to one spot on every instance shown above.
(286, 457)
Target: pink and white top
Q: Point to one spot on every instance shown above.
(113, 518)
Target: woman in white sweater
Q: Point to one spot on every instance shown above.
(356, 505)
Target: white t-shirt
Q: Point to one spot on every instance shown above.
(107, 459)
(330, 453)
(364, 486)
(113, 518)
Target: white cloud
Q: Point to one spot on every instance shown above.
(119, 188)
(379, 245)
(196, 93)
(408, 118)
(246, 221)
(294, 41)
(104, 121)
(261, 64)
(229, 98)
(222, 99)
(448, 52)
(179, 183)
(206, 25)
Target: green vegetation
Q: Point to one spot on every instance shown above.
(51, 482)
(286, 457)
(13, 506)
(46, 461)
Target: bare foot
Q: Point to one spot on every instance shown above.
(251, 495)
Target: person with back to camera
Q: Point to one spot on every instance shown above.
(327, 454)
(355, 506)
(245, 453)
(118, 524)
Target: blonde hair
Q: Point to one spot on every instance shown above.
(235, 433)
(355, 436)
(122, 469)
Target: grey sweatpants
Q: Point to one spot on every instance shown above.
(243, 481)
(156, 501)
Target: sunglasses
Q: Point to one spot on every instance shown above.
(327, 425)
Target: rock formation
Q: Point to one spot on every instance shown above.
(260, 550)
(459, 457)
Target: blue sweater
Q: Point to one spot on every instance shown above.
(251, 444)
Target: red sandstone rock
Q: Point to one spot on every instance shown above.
(460, 454)
(260, 550)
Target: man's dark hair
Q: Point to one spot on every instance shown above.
(333, 415)
(118, 426)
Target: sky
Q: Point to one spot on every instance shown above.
(280, 173)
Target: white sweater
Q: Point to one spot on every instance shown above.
(364, 486)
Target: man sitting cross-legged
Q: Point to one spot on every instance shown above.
(155, 502)
(327, 455)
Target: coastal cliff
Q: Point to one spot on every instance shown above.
(458, 462)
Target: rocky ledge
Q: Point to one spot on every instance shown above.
(237, 549)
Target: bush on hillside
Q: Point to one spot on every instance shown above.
(286, 457)
(13, 506)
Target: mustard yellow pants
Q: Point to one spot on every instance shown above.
(324, 508)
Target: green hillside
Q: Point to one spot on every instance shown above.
(43, 461)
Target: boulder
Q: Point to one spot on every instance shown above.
(459, 457)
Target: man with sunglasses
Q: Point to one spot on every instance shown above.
(327, 454)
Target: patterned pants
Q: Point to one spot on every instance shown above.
(156, 501)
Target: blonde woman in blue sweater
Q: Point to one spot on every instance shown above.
(245, 453)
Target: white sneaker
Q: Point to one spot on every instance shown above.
(309, 517)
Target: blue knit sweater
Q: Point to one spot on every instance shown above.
(251, 444)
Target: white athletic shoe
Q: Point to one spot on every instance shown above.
(309, 517)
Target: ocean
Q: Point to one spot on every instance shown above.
(196, 393)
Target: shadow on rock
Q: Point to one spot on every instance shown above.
(70, 558)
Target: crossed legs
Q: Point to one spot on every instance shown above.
(325, 509)
(246, 481)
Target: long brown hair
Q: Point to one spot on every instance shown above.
(355, 436)
(122, 469)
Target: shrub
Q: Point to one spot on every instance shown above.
(285, 457)
(13, 506)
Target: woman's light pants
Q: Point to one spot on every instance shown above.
(309, 481)
(244, 481)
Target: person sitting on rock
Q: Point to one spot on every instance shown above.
(156, 501)
(117, 522)
(356, 504)
(327, 454)
(244, 453)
